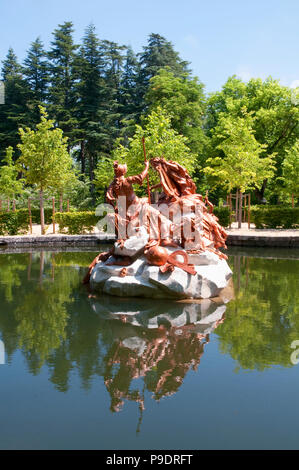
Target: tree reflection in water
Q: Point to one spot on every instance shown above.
(48, 315)
(54, 321)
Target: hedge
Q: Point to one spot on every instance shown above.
(82, 222)
(35, 214)
(275, 216)
(76, 222)
(13, 222)
(223, 215)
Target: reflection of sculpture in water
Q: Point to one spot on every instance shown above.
(162, 356)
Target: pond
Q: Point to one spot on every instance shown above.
(88, 372)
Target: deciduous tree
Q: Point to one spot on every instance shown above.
(44, 158)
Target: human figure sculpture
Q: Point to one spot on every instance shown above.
(123, 186)
(188, 223)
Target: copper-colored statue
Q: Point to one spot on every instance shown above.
(185, 209)
(174, 178)
(122, 186)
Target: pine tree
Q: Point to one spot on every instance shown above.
(158, 53)
(111, 115)
(14, 112)
(129, 94)
(36, 71)
(62, 98)
(36, 75)
(89, 74)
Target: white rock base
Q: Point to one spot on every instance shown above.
(152, 314)
(144, 280)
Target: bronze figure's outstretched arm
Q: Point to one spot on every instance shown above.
(138, 179)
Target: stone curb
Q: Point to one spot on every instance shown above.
(288, 241)
(51, 240)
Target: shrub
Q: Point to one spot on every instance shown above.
(223, 215)
(76, 222)
(35, 214)
(13, 222)
(275, 216)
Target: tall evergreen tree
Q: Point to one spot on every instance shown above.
(157, 54)
(11, 67)
(14, 112)
(36, 70)
(89, 73)
(111, 114)
(62, 100)
(129, 94)
(36, 75)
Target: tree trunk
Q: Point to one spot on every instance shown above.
(91, 176)
(8, 205)
(237, 206)
(260, 192)
(293, 200)
(42, 214)
(82, 157)
(61, 202)
(240, 210)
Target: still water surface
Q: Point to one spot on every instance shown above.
(88, 372)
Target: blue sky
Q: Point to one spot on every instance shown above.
(219, 37)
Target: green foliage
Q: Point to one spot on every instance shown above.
(290, 170)
(62, 97)
(275, 113)
(223, 215)
(76, 222)
(44, 157)
(238, 163)
(184, 101)
(160, 140)
(10, 185)
(263, 320)
(14, 112)
(275, 217)
(35, 215)
(13, 222)
(17, 222)
(159, 53)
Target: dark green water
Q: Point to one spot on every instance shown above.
(78, 374)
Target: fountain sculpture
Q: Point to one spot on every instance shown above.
(170, 249)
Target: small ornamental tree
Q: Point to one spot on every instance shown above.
(239, 164)
(10, 185)
(290, 172)
(160, 141)
(44, 158)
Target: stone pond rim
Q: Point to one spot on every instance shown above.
(284, 239)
